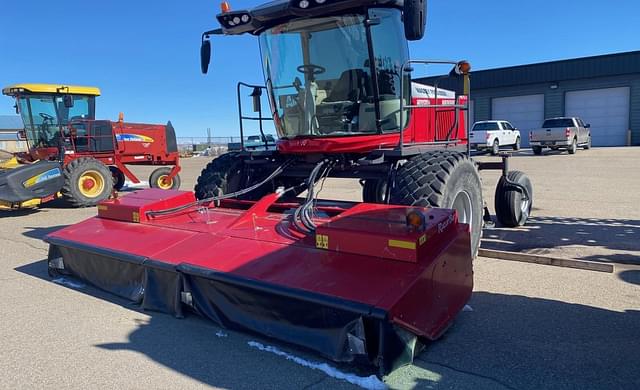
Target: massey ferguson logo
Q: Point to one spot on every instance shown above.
(445, 224)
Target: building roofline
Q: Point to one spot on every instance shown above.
(565, 60)
(605, 65)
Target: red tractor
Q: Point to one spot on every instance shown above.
(363, 282)
(72, 154)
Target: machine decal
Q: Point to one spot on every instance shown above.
(402, 244)
(444, 224)
(322, 241)
(128, 137)
(44, 176)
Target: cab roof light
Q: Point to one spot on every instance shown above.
(225, 7)
(306, 4)
(235, 19)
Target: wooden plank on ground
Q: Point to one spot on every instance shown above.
(546, 260)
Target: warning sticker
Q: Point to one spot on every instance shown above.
(322, 241)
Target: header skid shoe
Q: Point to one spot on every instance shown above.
(365, 289)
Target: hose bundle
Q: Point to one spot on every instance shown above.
(303, 215)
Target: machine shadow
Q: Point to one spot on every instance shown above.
(543, 233)
(518, 342)
(40, 232)
(630, 276)
(16, 213)
(507, 341)
(200, 349)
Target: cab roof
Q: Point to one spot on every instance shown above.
(261, 17)
(12, 90)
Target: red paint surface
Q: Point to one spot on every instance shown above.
(261, 245)
(422, 127)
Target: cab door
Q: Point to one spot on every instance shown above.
(504, 133)
(582, 131)
(512, 133)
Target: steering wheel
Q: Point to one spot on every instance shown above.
(311, 69)
(46, 116)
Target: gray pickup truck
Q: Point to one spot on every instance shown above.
(567, 133)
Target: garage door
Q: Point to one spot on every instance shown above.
(607, 110)
(524, 112)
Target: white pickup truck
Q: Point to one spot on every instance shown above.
(491, 135)
(561, 133)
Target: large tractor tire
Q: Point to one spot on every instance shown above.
(87, 182)
(224, 175)
(374, 191)
(511, 209)
(118, 178)
(160, 179)
(443, 179)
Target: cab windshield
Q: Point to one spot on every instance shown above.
(46, 117)
(318, 72)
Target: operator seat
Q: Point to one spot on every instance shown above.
(353, 85)
(339, 111)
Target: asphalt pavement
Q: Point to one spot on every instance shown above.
(528, 326)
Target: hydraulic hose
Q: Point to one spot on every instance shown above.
(303, 215)
(200, 202)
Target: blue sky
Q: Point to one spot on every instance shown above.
(144, 54)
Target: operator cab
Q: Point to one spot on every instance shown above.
(57, 116)
(332, 68)
(330, 82)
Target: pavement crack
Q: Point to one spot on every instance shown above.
(495, 380)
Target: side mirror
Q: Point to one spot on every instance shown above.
(17, 108)
(68, 101)
(256, 94)
(415, 18)
(22, 135)
(205, 55)
(588, 125)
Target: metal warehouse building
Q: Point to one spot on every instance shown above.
(603, 90)
(9, 126)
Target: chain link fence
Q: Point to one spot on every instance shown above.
(208, 146)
